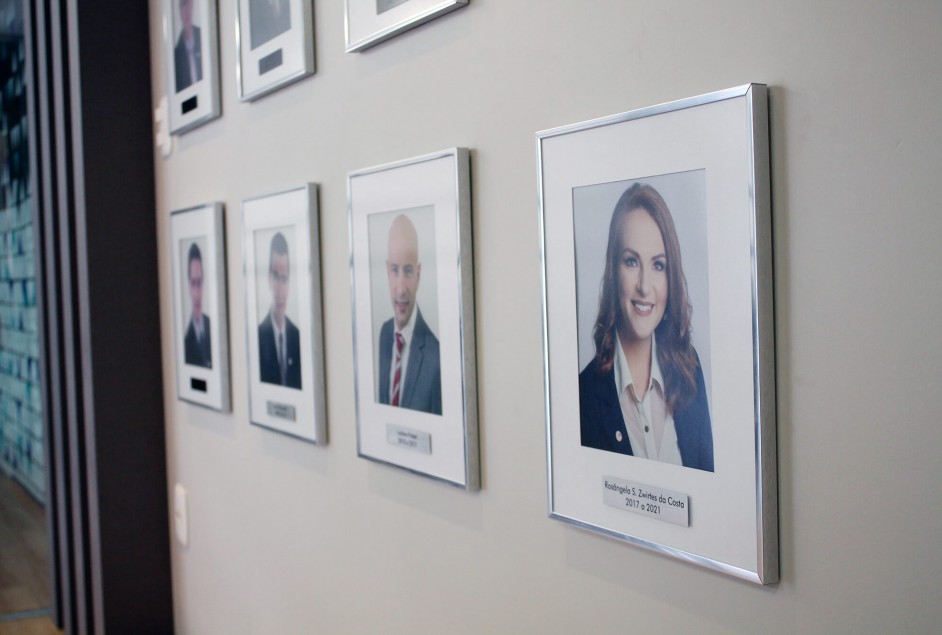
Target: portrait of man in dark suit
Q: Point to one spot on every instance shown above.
(279, 341)
(196, 344)
(269, 19)
(187, 54)
(409, 360)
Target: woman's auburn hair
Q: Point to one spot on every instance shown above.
(675, 354)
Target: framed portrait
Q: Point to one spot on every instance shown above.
(369, 22)
(200, 316)
(413, 316)
(275, 40)
(658, 329)
(284, 327)
(191, 57)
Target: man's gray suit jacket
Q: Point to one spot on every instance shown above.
(422, 389)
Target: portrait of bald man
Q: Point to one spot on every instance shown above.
(409, 359)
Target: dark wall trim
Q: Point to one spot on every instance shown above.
(100, 310)
(36, 35)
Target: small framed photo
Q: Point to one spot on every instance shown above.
(657, 292)
(200, 317)
(192, 62)
(284, 328)
(369, 22)
(413, 316)
(275, 41)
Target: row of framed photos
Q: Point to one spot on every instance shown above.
(413, 305)
(275, 40)
(657, 322)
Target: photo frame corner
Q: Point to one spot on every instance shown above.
(366, 26)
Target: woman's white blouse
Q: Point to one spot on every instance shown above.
(650, 427)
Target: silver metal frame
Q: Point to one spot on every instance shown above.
(315, 388)
(467, 346)
(756, 99)
(421, 17)
(304, 31)
(218, 236)
(211, 75)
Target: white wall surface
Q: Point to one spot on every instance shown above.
(286, 537)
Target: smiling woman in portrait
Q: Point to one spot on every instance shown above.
(643, 392)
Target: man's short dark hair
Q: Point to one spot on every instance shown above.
(194, 254)
(278, 246)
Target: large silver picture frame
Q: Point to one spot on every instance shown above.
(200, 306)
(413, 316)
(283, 316)
(369, 22)
(680, 457)
(191, 61)
(274, 45)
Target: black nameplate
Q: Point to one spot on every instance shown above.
(188, 105)
(198, 384)
(269, 62)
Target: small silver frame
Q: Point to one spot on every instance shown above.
(270, 59)
(433, 191)
(725, 134)
(202, 364)
(294, 404)
(191, 102)
(366, 26)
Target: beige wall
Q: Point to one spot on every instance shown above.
(287, 537)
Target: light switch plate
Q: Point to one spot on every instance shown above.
(180, 521)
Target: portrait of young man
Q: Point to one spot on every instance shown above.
(279, 341)
(187, 54)
(409, 367)
(196, 343)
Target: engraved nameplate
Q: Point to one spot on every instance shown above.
(280, 410)
(655, 502)
(270, 62)
(409, 439)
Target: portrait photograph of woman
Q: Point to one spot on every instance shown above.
(658, 329)
(643, 319)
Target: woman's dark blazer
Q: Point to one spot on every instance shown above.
(600, 418)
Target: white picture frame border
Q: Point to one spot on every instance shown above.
(295, 47)
(441, 179)
(364, 27)
(184, 114)
(192, 223)
(733, 510)
(296, 208)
